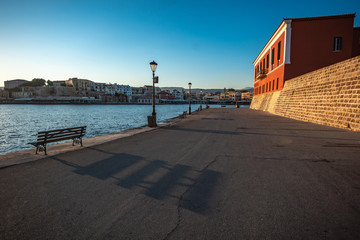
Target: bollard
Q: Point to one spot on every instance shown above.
(151, 121)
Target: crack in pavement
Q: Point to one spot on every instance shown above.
(182, 197)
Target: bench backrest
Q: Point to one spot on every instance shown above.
(61, 134)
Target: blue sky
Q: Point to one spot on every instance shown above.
(209, 43)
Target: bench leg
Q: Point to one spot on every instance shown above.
(77, 141)
(40, 148)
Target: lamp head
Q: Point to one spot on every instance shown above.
(153, 66)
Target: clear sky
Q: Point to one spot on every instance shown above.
(209, 43)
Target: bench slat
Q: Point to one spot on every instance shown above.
(53, 140)
(59, 138)
(59, 130)
(49, 136)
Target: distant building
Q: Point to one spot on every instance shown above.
(234, 96)
(177, 94)
(14, 83)
(150, 87)
(137, 92)
(99, 87)
(165, 95)
(302, 45)
(113, 89)
(146, 98)
(59, 83)
(80, 85)
(246, 95)
(116, 88)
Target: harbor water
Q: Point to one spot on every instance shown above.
(19, 124)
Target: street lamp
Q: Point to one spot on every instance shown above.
(152, 119)
(200, 99)
(189, 98)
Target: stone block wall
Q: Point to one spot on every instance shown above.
(328, 96)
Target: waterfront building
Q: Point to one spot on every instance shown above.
(148, 88)
(146, 98)
(302, 45)
(59, 83)
(9, 84)
(137, 92)
(80, 85)
(114, 89)
(246, 95)
(177, 94)
(99, 87)
(166, 95)
(234, 95)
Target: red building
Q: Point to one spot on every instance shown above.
(302, 45)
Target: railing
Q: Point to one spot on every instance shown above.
(262, 73)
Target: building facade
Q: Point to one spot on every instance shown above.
(80, 85)
(14, 83)
(59, 83)
(302, 45)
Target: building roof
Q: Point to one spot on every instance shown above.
(322, 17)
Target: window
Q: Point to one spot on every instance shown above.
(264, 63)
(267, 61)
(277, 83)
(337, 44)
(273, 84)
(269, 86)
(279, 49)
(272, 56)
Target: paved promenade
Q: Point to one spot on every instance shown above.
(218, 174)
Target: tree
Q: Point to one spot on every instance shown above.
(231, 90)
(36, 82)
(50, 83)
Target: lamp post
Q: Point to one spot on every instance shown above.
(152, 120)
(200, 99)
(189, 98)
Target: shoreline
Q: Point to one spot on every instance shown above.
(113, 103)
(26, 156)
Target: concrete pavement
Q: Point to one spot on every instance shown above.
(218, 174)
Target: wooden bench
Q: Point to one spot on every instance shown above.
(51, 136)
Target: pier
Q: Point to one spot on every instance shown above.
(217, 174)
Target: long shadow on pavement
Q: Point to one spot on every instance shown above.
(196, 197)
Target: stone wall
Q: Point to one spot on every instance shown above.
(328, 96)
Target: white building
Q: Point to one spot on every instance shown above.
(99, 87)
(113, 89)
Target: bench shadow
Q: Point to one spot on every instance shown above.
(199, 196)
(108, 167)
(162, 187)
(196, 198)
